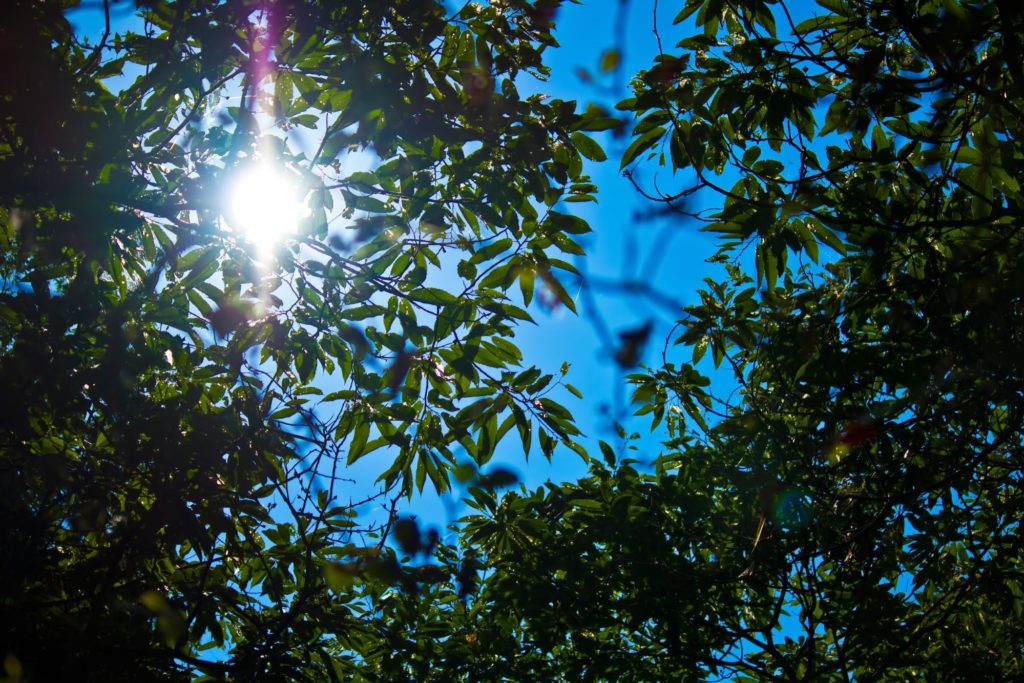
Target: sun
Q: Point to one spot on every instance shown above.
(264, 204)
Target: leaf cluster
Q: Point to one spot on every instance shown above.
(181, 405)
(848, 507)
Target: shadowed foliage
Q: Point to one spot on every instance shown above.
(180, 404)
(844, 501)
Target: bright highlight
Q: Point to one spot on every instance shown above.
(265, 205)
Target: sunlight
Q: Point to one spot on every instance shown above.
(265, 205)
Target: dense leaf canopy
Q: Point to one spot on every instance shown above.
(181, 404)
(852, 510)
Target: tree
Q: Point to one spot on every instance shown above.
(179, 402)
(849, 508)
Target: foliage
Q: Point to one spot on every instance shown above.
(180, 407)
(851, 509)
(180, 404)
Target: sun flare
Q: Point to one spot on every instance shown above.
(265, 205)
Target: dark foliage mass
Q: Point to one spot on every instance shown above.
(179, 404)
(180, 407)
(852, 511)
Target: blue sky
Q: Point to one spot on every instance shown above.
(668, 256)
(620, 248)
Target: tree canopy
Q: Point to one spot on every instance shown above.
(183, 402)
(850, 508)
(180, 402)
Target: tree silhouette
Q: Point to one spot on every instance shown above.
(182, 398)
(182, 402)
(850, 511)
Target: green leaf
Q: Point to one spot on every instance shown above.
(558, 290)
(357, 446)
(588, 148)
(641, 145)
(432, 295)
(526, 284)
(610, 60)
(689, 8)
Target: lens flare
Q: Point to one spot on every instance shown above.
(265, 205)
(793, 509)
